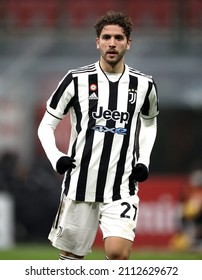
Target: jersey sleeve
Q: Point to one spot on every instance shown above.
(150, 108)
(148, 128)
(57, 107)
(59, 102)
(46, 135)
(147, 136)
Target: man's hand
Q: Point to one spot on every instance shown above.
(140, 173)
(64, 163)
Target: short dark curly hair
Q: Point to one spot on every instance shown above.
(112, 17)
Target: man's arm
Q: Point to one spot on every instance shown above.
(47, 138)
(147, 136)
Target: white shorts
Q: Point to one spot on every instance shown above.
(76, 223)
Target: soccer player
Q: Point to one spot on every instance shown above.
(113, 110)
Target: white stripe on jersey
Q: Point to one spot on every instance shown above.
(104, 118)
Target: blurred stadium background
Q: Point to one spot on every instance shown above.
(39, 42)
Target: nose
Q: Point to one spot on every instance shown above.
(112, 42)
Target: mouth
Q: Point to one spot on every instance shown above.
(112, 53)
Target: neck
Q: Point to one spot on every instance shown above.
(112, 68)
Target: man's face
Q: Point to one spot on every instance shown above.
(112, 44)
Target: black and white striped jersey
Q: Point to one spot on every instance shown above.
(104, 129)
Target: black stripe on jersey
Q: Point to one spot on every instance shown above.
(57, 217)
(77, 109)
(108, 139)
(132, 186)
(53, 115)
(81, 187)
(59, 91)
(155, 86)
(146, 105)
(137, 146)
(137, 72)
(85, 69)
(76, 105)
(133, 84)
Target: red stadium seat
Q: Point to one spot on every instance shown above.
(151, 13)
(84, 12)
(164, 13)
(31, 13)
(195, 14)
(136, 10)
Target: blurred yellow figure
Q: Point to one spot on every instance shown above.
(180, 241)
(190, 234)
(192, 208)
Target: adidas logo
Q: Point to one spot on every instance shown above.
(93, 96)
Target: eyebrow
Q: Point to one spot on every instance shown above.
(114, 35)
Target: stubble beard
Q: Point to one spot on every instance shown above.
(113, 62)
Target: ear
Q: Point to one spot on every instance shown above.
(97, 43)
(128, 44)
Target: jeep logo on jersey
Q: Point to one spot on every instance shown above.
(114, 115)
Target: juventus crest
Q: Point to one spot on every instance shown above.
(132, 95)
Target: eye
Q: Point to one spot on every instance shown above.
(119, 37)
(106, 37)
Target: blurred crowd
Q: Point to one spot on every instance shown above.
(35, 192)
